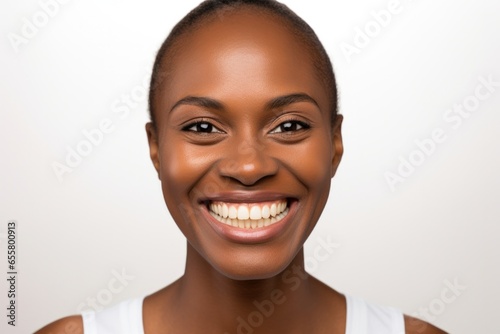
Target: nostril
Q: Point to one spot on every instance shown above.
(248, 171)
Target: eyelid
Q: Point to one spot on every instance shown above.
(291, 119)
(189, 124)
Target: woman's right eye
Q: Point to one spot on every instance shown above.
(201, 127)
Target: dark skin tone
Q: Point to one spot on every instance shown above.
(244, 118)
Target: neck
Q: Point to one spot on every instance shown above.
(263, 303)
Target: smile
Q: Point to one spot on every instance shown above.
(249, 215)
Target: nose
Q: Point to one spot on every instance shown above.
(247, 162)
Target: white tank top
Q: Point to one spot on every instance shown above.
(362, 318)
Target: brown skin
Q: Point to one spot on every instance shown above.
(243, 62)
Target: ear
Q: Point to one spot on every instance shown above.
(153, 146)
(337, 145)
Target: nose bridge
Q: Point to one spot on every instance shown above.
(247, 160)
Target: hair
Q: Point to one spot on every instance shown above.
(210, 8)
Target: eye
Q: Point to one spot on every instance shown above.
(201, 127)
(290, 126)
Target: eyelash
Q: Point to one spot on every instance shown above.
(303, 126)
(188, 127)
(208, 125)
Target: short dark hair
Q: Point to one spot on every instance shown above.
(210, 8)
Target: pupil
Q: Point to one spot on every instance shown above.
(289, 126)
(204, 127)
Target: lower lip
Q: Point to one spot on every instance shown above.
(250, 236)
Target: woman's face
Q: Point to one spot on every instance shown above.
(245, 149)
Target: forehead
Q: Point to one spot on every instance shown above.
(243, 54)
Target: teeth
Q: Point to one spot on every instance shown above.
(243, 212)
(273, 210)
(233, 213)
(250, 223)
(265, 211)
(249, 216)
(255, 213)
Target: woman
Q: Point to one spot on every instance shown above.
(245, 137)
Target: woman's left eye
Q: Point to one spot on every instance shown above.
(290, 126)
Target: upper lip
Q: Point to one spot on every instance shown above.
(245, 197)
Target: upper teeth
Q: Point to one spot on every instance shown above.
(245, 211)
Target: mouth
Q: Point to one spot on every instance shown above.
(249, 215)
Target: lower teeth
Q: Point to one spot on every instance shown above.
(249, 223)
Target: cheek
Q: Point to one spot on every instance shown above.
(314, 171)
(182, 165)
(311, 162)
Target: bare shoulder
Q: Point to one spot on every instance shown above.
(68, 325)
(416, 326)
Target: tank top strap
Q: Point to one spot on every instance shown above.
(123, 318)
(367, 318)
(362, 318)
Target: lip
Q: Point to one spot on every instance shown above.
(245, 197)
(249, 236)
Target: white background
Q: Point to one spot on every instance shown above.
(393, 247)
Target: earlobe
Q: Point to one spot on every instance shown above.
(153, 146)
(337, 144)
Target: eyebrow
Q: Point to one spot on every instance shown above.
(275, 103)
(204, 102)
(282, 101)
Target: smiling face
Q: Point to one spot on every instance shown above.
(244, 145)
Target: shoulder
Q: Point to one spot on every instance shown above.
(69, 325)
(416, 326)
